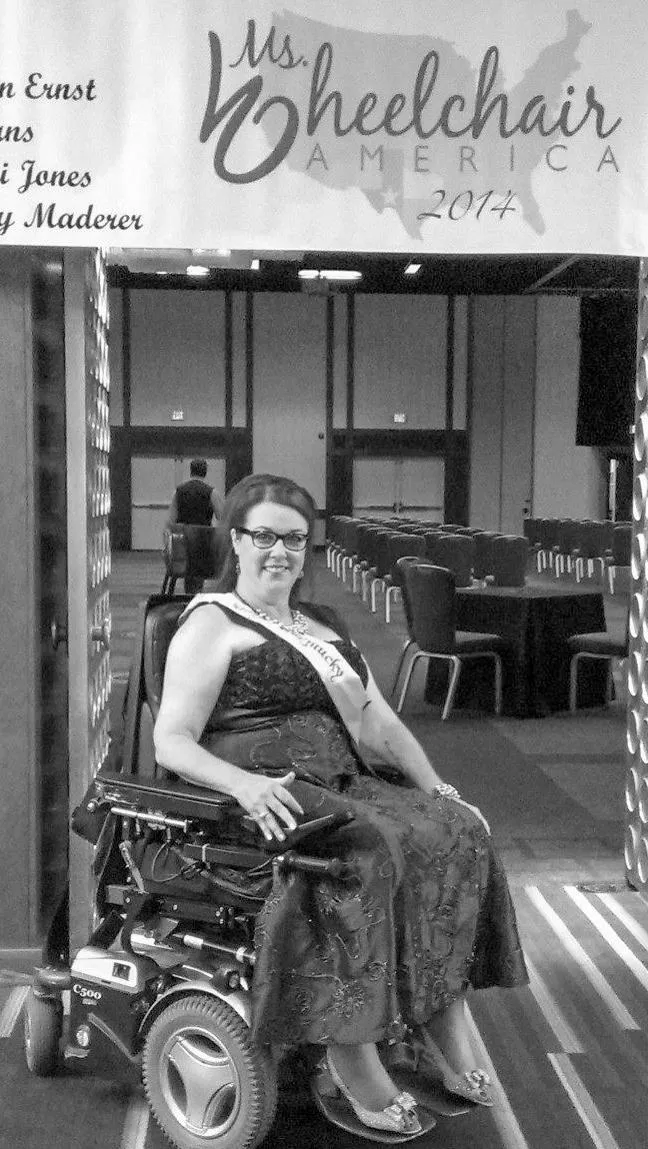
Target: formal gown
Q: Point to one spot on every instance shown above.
(423, 910)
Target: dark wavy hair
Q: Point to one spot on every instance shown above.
(198, 467)
(248, 493)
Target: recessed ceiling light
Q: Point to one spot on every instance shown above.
(412, 269)
(329, 273)
(197, 269)
(332, 273)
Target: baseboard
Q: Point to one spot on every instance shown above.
(20, 960)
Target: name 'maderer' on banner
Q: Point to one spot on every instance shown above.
(499, 127)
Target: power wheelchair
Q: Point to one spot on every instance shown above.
(165, 976)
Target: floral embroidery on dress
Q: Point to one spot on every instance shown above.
(423, 908)
(349, 997)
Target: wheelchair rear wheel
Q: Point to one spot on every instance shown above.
(208, 1085)
(43, 1021)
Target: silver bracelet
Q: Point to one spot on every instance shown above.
(445, 790)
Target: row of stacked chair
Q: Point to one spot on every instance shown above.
(580, 547)
(431, 615)
(365, 552)
(421, 555)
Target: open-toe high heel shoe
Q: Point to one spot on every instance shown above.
(473, 1085)
(397, 1117)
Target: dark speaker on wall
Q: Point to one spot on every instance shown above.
(606, 385)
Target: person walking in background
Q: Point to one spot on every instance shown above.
(195, 503)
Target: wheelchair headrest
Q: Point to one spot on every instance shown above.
(160, 625)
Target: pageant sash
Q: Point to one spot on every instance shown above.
(341, 681)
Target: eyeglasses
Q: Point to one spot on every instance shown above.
(265, 540)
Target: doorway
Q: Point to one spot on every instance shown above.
(387, 485)
(154, 480)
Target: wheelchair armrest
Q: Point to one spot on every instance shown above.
(163, 794)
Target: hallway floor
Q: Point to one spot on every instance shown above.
(569, 1053)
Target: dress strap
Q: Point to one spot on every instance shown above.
(201, 600)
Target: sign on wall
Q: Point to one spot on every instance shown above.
(505, 126)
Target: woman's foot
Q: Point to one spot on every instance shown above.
(361, 1077)
(472, 1084)
(447, 1052)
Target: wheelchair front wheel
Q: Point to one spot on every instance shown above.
(43, 1022)
(207, 1084)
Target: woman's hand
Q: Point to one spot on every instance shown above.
(269, 802)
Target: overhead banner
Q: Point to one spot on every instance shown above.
(498, 126)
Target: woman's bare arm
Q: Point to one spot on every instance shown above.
(386, 736)
(197, 664)
(389, 740)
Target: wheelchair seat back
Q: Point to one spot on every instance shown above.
(158, 624)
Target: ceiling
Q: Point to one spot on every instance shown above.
(438, 274)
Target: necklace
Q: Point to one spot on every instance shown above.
(298, 622)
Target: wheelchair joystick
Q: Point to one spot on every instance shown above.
(324, 867)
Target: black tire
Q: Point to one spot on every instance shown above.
(208, 1085)
(43, 1025)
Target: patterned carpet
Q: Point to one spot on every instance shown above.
(569, 1053)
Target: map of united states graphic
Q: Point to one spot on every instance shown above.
(400, 173)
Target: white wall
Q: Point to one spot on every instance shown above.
(501, 364)
(177, 357)
(400, 360)
(289, 411)
(340, 363)
(239, 359)
(524, 367)
(116, 393)
(523, 360)
(485, 356)
(460, 366)
(567, 480)
(520, 320)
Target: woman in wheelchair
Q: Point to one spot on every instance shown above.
(267, 699)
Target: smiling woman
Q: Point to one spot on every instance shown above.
(270, 523)
(270, 557)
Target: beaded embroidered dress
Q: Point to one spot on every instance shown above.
(425, 910)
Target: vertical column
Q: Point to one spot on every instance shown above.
(88, 442)
(486, 386)
(636, 793)
(19, 638)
